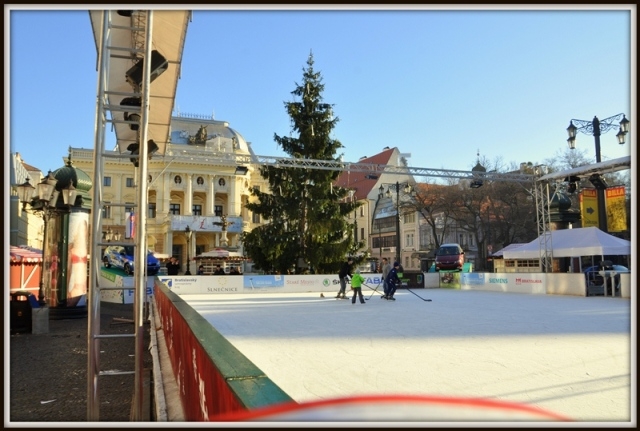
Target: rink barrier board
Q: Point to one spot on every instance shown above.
(572, 284)
(207, 367)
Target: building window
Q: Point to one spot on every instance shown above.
(200, 180)
(177, 179)
(383, 242)
(255, 218)
(106, 181)
(409, 240)
(129, 182)
(106, 210)
(217, 210)
(256, 188)
(362, 211)
(362, 233)
(196, 210)
(409, 218)
(151, 213)
(222, 182)
(128, 208)
(174, 209)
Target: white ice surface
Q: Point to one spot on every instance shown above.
(567, 355)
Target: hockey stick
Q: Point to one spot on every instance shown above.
(374, 290)
(428, 300)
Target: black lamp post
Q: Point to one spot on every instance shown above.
(380, 196)
(45, 204)
(596, 127)
(188, 232)
(407, 190)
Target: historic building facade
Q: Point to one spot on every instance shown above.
(190, 186)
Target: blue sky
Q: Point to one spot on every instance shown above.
(438, 84)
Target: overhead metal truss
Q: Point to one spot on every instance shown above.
(336, 165)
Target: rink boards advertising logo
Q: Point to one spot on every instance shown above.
(496, 280)
(374, 280)
(263, 281)
(520, 280)
(473, 278)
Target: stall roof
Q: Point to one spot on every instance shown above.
(220, 253)
(510, 247)
(586, 241)
(25, 254)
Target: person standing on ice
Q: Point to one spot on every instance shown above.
(345, 271)
(392, 282)
(356, 286)
(386, 268)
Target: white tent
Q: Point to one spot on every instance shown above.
(219, 253)
(586, 241)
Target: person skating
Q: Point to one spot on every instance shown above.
(344, 275)
(392, 282)
(219, 271)
(173, 266)
(356, 285)
(386, 268)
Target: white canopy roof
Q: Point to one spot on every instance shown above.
(219, 253)
(586, 241)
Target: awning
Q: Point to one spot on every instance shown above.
(219, 253)
(24, 254)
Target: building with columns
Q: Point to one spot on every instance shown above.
(190, 186)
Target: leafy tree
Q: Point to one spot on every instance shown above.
(306, 219)
(430, 201)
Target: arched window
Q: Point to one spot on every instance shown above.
(222, 182)
(177, 179)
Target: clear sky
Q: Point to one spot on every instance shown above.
(438, 84)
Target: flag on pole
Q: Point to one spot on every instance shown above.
(130, 228)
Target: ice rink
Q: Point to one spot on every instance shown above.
(568, 355)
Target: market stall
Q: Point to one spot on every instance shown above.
(229, 261)
(25, 267)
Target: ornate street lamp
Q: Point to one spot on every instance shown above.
(596, 127)
(407, 190)
(188, 233)
(43, 202)
(380, 196)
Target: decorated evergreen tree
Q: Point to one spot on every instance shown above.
(306, 227)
